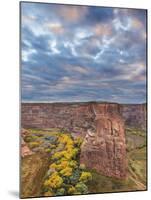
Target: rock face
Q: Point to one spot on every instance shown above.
(76, 117)
(134, 115)
(105, 150)
(25, 151)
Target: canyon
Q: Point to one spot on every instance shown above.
(101, 125)
(78, 117)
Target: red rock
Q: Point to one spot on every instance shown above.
(106, 152)
(25, 151)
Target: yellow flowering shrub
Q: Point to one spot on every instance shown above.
(65, 139)
(73, 164)
(66, 171)
(71, 190)
(85, 176)
(60, 166)
(53, 166)
(54, 181)
(58, 155)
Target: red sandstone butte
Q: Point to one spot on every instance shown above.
(105, 150)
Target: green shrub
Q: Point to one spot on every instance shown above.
(33, 144)
(85, 177)
(81, 188)
(60, 191)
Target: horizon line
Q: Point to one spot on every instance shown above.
(72, 102)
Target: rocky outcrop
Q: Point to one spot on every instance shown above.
(105, 149)
(25, 151)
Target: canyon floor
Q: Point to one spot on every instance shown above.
(40, 143)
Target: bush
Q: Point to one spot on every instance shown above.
(81, 188)
(74, 178)
(33, 144)
(85, 177)
(60, 166)
(28, 139)
(66, 171)
(54, 181)
(71, 190)
(60, 191)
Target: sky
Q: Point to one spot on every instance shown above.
(81, 53)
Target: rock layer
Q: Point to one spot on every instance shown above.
(77, 117)
(105, 150)
(134, 115)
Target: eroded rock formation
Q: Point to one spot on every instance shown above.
(105, 150)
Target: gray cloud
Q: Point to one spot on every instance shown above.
(80, 53)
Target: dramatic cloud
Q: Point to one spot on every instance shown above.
(82, 53)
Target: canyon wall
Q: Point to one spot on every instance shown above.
(77, 117)
(134, 115)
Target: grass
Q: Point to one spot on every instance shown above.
(135, 138)
(101, 184)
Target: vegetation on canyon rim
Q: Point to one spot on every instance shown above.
(54, 169)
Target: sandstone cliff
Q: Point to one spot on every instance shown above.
(134, 115)
(105, 149)
(76, 117)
